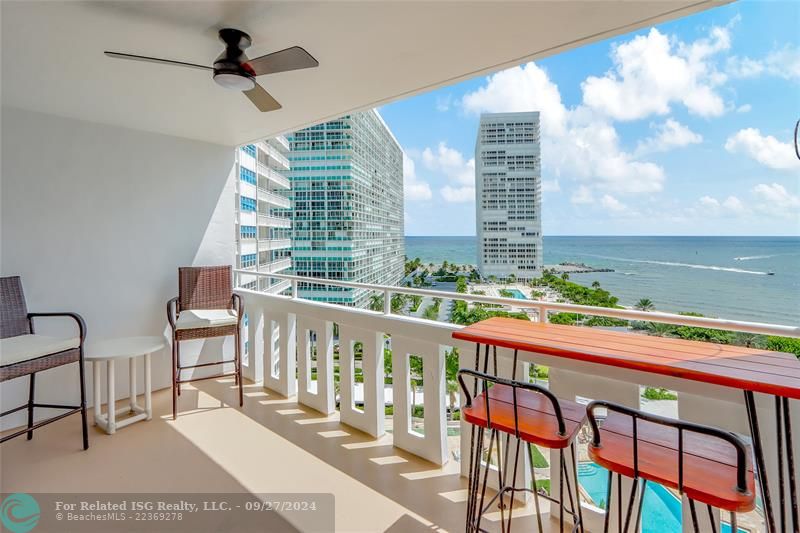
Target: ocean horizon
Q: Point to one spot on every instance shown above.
(726, 277)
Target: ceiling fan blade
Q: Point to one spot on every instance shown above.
(262, 99)
(120, 55)
(294, 58)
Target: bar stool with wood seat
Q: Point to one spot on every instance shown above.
(707, 464)
(206, 307)
(532, 415)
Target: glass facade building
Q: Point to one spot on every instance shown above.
(347, 206)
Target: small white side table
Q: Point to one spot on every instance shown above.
(109, 351)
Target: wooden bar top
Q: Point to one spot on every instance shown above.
(741, 368)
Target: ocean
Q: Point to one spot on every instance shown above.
(724, 277)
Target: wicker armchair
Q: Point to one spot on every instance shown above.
(24, 353)
(205, 307)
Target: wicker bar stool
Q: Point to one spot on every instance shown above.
(707, 464)
(531, 415)
(205, 307)
(24, 353)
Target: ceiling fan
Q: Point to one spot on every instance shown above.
(233, 70)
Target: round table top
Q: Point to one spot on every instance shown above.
(123, 347)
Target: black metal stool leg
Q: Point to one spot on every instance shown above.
(693, 511)
(641, 504)
(561, 490)
(607, 518)
(631, 500)
(711, 519)
(577, 488)
(30, 404)
(85, 426)
(535, 488)
(485, 479)
(755, 433)
(787, 416)
(475, 477)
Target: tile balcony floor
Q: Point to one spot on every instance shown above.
(271, 445)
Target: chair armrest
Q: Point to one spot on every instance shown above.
(238, 304)
(172, 305)
(75, 316)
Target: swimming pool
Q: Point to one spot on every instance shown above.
(661, 512)
(518, 294)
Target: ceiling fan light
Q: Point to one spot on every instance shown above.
(234, 81)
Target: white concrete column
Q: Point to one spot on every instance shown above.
(321, 399)
(280, 353)
(370, 419)
(433, 444)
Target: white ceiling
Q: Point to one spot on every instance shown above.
(370, 53)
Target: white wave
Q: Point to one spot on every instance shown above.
(751, 257)
(687, 265)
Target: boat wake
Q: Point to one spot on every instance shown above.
(687, 265)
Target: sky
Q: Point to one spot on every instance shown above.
(684, 128)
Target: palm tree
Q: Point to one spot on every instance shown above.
(376, 302)
(595, 284)
(645, 304)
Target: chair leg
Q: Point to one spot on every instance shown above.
(178, 366)
(535, 488)
(607, 518)
(174, 378)
(238, 358)
(85, 425)
(30, 405)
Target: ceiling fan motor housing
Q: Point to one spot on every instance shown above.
(230, 68)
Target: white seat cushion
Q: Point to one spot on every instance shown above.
(25, 347)
(205, 318)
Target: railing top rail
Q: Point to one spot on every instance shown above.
(542, 306)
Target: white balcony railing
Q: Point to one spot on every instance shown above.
(283, 325)
(274, 154)
(273, 222)
(273, 176)
(272, 198)
(278, 265)
(273, 244)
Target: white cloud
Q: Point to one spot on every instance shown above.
(652, 71)
(450, 162)
(781, 62)
(551, 186)
(582, 196)
(457, 171)
(774, 199)
(443, 103)
(523, 88)
(458, 194)
(765, 149)
(710, 206)
(612, 204)
(670, 134)
(579, 144)
(413, 187)
(744, 108)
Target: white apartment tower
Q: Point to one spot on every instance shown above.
(508, 195)
(262, 225)
(347, 206)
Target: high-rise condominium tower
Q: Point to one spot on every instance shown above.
(508, 195)
(347, 206)
(262, 224)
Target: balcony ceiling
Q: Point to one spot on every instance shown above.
(370, 53)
